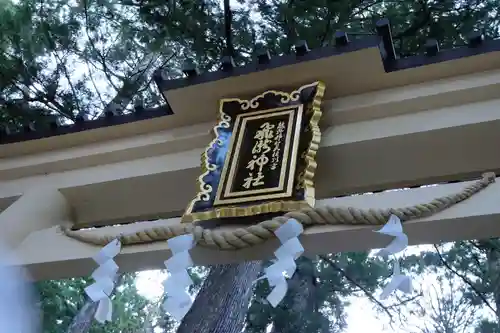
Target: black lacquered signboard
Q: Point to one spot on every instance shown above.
(262, 159)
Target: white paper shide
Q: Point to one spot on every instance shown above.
(398, 281)
(104, 277)
(284, 264)
(178, 301)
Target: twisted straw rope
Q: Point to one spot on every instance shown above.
(259, 233)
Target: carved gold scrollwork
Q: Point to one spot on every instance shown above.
(300, 181)
(304, 179)
(295, 95)
(245, 105)
(225, 121)
(254, 103)
(285, 97)
(205, 189)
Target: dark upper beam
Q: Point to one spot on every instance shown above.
(431, 47)
(266, 62)
(189, 68)
(475, 39)
(301, 48)
(341, 38)
(486, 46)
(387, 51)
(227, 64)
(263, 61)
(81, 124)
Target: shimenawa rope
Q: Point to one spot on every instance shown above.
(259, 233)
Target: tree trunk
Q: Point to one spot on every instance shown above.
(83, 320)
(298, 312)
(148, 327)
(222, 303)
(126, 93)
(493, 257)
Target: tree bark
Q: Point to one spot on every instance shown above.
(83, 320)
(228, 17)
(222, 303)
(298, 311)
(133, 82)
(148, 327)
(493, 259)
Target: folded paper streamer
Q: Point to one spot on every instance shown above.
(284, 263)
(104, 277)
(178, 301)
(393, 228)
(398, 281)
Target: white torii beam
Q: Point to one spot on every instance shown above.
(437, 127)
(117, 182)
(50, 254)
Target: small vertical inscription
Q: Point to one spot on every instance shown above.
(275, 158)
(260, 150)
(261, 162)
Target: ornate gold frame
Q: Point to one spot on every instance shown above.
(306, 177)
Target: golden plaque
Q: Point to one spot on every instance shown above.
(263, 157)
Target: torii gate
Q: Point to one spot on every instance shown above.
(387, 123)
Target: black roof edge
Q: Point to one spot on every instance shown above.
(486, 46)
(32, 133)
(383, 40)
(273, 62)
(263, 61)
(386, 45)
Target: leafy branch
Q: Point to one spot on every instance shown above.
(464, 279)
(354, 282)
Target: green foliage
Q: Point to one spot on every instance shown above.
(59, 58)
(61, 300)
(477, 263)
(333, 277)
(474, 268)
(487, 326)
(412, 22)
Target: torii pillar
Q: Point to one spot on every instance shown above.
(37, 209)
